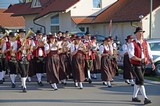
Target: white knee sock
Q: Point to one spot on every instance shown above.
(1, 75)
(89, 74)
(80, 85)
(136, 90)
(13, 77)
(143, 91)
(29, 79)
(131, 81)
(24, 82)
(39, 76)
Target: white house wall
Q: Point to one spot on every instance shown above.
(155, 24)
(85, 8)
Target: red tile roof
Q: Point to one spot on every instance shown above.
(83, 20)
(47, 7)
(6, 20)
(126, 11)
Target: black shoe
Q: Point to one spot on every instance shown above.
(90, 81)
(24, 90)
(1, 81)
(110, 86)
(135, 100)
(40, 83)
(104, 83)
(13, 85)
(127, 82)
(132, 84)
(147, 101)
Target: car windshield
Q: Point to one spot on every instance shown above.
(155, 46)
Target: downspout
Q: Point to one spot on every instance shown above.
(34, 21)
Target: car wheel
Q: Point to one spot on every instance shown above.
(157, 70)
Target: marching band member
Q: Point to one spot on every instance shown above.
(52, 62)
(38, 56)
(10, 57)
(64, 62)
(127, 73)
(89, 56)
(78, 61)
(96, 61)
(106, 51)
(22, 49)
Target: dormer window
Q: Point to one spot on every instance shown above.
(97, 4)
(36, 3)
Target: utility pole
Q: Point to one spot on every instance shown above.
(150, 23)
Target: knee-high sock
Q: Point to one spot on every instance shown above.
(4, 72)
(29, 78)
(1, 75)
(13, 77)
(39, 76)
(143, 91)
(109, 83)
(24, 81)
(89, 74)
(136, 90)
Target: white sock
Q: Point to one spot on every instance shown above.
(29, 79)
(13, 76)
(131, 81)
(89, 74)
(94, 75)
(24, 82)
(136, 90)
(76, 84)
(39, 76)
(80, 85)
(64, 81)
(109, 83)
(105, 83)
(1, 75)
(54, 85)
(4, 72)
(143, 91)
(127, 80)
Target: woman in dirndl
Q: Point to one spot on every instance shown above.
(78, 61)
(52, 62)
(106, 52)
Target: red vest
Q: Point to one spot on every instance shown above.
(36, 51)
(138, 52)
(8, 54)
(19, 53)
(87, 54)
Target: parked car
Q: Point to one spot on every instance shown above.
(99, 38)
(155, 50)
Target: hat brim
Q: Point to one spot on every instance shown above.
(139, 31)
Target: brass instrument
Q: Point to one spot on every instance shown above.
(27, 35)
(5, 34)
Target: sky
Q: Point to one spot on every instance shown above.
(6, 3)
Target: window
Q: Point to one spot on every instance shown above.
(96, 3)
(55, 24)
(36, 3)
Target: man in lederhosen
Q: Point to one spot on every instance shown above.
(38, 56)
(22, 49)
(11, 57)
(89, 56)
(127, 69)
(140, 55)
(106, 52)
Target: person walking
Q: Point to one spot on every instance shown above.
(140, 55)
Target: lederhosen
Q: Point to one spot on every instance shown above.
(127, 69)
(23, 60)
(12, 63)
(52, 67)
(139, 68)
(89, 57)
(78, 64)
(39, 60)
(106, 67)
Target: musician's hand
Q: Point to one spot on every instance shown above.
(144, 60)
(153, 66)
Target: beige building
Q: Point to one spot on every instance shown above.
(89, 15)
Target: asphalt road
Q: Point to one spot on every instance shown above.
(95, 94)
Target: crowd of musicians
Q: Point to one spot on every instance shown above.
(60, 56)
